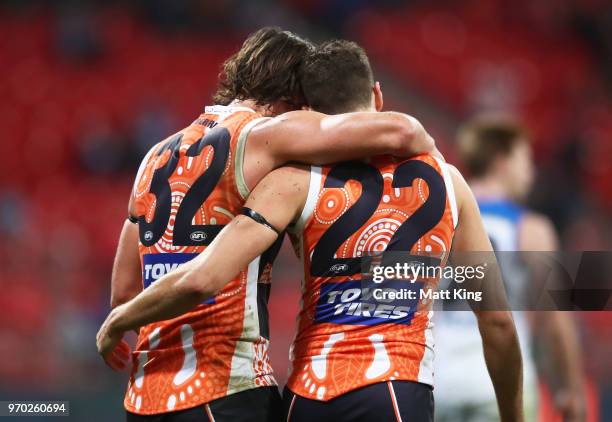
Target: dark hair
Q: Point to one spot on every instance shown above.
(337, 77)
(265, 69)
(485, 138)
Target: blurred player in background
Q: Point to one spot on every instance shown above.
(497, 155)
(354, 359)
(210, 362)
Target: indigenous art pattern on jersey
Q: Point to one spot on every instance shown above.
(346, 337)
(185, 192)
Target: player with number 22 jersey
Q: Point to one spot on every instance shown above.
(346, 338)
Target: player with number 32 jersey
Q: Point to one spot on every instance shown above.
(188, 188)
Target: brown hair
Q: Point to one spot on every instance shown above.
(264, 69)
(337, 77)
(485, 138)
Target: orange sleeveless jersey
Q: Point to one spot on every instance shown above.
(187, 188)
(346, 337)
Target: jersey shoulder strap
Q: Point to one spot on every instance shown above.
(314, 188)
(243, 135)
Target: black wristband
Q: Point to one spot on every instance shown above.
(257, 217)
(132, 219)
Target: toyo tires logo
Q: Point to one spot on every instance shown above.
(354, 303)
(157, 265)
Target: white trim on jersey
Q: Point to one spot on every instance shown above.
(298, 231)
(225, 110)
(243, 189)
(311, 200)
(450, 190)
(242, 361)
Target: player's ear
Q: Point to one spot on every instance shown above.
(378, 96)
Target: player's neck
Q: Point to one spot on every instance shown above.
(369, 109)
(252, 104)
(267, 110)
(489, 188)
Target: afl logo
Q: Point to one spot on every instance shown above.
(148, 235)
(338, 268)
(198, 236)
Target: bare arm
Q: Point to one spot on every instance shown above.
(556, 329)
(187, 286)
(126, 281)
(499, 338)
(184, 288)
(315, 138)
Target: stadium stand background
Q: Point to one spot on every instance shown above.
(87, 87)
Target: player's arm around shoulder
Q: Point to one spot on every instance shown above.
(276, 201)
(316, 138)
(499, 338)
